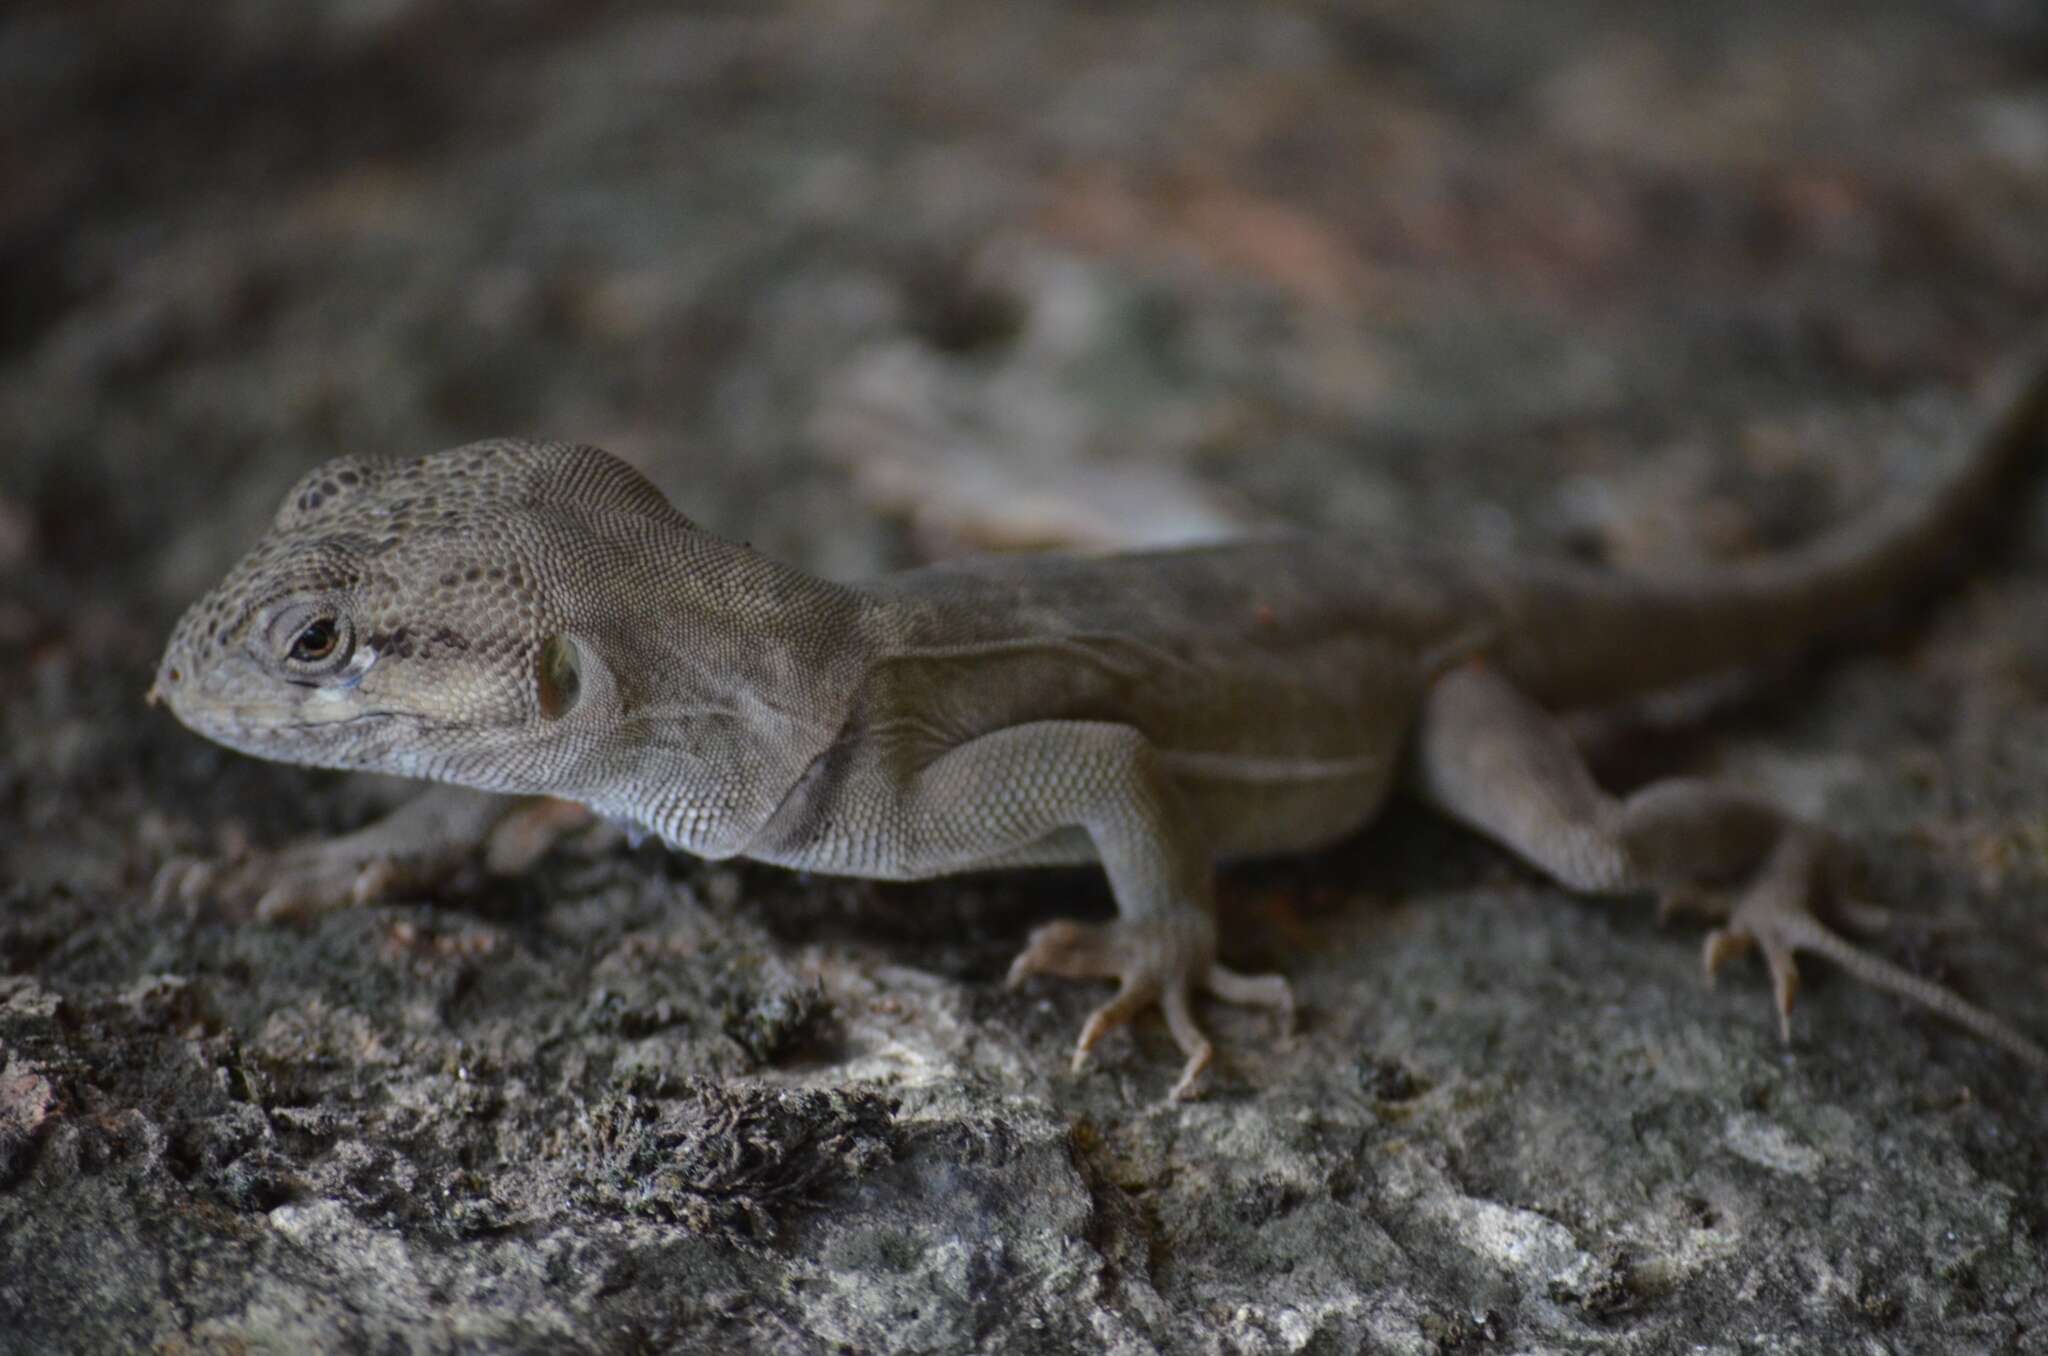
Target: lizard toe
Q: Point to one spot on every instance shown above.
(1188, 1035)
(1069, 950)
(1254, 991)
(1774, 916)
(181, 880)
(305, 880)
(1132, 997)
(527, 834)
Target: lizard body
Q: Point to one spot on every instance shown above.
(535, 618)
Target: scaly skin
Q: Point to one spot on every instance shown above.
(535, 619)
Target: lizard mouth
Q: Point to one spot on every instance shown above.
(247, 726)
(361, 739)
(338, 722)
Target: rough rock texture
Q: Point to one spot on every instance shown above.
(1654, 284)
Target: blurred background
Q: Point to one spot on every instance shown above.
(1318, 263)
(866, 283)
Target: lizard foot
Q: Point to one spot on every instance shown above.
(1776, 916)
(313, 877)
(418, 846)
(1153, 965)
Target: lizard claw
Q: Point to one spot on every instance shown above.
(1724, 944)
(1153, 966)
(1774, 916)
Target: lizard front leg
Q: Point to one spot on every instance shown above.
(999, 793)
(415, 847)
(1488, 756)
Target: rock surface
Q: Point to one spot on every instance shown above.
(1653, 284)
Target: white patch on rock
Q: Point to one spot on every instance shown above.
(1756, 1140)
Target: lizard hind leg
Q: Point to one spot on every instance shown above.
(1488, 756)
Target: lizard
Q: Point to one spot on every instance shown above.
(536, 619)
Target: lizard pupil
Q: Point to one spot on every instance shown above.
(316, 642)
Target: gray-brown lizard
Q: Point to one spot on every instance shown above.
(535, 618)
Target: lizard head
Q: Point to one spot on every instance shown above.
(402, 616)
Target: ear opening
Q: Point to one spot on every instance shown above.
(558, 676)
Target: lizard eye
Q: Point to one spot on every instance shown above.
(315, 641)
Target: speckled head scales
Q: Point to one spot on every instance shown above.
(347, 515)
(456, 537)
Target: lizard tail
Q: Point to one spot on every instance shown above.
(1578, 636)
